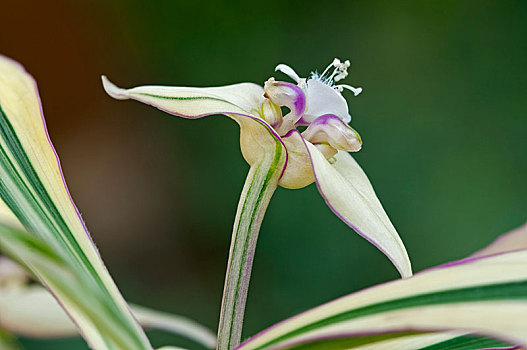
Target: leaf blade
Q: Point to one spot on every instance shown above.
(33, 188)
(462, 296)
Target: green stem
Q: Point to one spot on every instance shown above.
(260, 185)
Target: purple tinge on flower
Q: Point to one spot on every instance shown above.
(330, 129)
(286, 94)
(323, 95)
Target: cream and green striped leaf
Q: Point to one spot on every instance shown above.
(407, 341)
(28, 310)
(74, 291)
(33, 188)
(485, 296)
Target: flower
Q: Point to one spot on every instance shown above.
(317, 154)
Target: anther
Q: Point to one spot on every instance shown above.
(341, 75)
(355, 91)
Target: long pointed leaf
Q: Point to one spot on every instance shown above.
(28, 309)
(406, 341)
(510, 241)
(33, 188)
(451, 340)
(74, 291)
(487, 295)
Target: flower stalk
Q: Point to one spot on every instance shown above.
(259, 186)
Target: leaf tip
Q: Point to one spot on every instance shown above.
(406, 270)
(113, 90)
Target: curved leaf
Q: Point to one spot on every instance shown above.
(191, 102)
(77, 293)
(33, 188)
(407, 341)
(510, 241)
(487, 296)
(31, 311)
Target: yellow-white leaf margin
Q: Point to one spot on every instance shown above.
(510, 241)
(31, 311)
(74, 292)
(33, 188)
(487, 296)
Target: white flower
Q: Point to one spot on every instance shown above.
(318, 154)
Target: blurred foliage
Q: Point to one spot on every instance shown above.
(442, 116)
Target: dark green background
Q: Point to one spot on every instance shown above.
(442, 116)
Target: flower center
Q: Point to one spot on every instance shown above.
(315, 102)
(340, 71)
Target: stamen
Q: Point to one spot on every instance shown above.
(333, 74)
(355, 91)
(335, 63)
(340, 72)
(288, 71)
(341, 75)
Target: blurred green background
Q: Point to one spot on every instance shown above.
(442, 116)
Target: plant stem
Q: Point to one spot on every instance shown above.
(260, 185)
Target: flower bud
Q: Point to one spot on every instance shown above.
(286, 94)
(330, 129)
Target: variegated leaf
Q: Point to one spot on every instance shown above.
(33, 188)
(487, 296)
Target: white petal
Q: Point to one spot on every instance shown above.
(349, 194)
(284, 68)
(323, 99)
